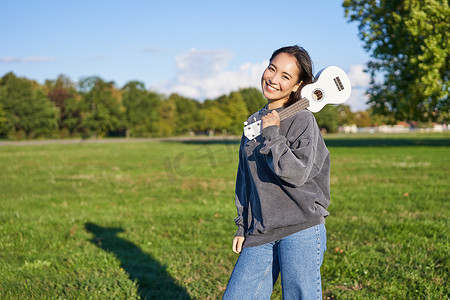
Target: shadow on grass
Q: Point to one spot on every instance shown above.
(151, 277)
(341, 141)
(386, 142)
(213, 142)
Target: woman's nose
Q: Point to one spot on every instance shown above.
(273, 79)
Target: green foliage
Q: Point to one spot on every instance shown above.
(409, 41)
(345, 115)
(155, 220)
(236, 109)
(363, 119)
(26, 108)
(96, 108)
(253, 99)
(61, 91)
(141, 106)
(2, 120)
(327, 118)
(214, 118)
(167, 122)
(101, 112)
(188, 115)
(73, 115)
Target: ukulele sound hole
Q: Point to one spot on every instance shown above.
(317, 95)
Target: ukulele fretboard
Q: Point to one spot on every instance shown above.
(294, 108)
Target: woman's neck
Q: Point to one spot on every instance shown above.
(275, 104)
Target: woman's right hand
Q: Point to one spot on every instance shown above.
(237, 244)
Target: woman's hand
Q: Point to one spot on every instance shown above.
(271, 119)
(237, 244)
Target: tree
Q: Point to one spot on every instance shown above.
(187, 114)
(363, 119)
(167, 111)
(26, 107)
(409, 40)
(236, 109)
(141, 109)
(345, 115)
(73, 113)
(60, 91)
(2, 120)
(327, 118)
(100, 106)
(253, 98)
(214, 118)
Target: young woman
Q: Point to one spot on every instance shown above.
(282, 191)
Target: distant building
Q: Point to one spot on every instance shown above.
(400, 127)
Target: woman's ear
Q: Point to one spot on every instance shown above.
(297, 86)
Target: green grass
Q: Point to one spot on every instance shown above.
(154, 220)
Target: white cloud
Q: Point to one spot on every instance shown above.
(360, 81)
(28, 59)
(357, 100)
(358, 77)
(203, 74)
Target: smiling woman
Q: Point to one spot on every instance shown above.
(282, 191)
(289, 70)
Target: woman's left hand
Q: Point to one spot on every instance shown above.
(237, 244)
(271, 119)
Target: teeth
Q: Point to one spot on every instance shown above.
(270, 88)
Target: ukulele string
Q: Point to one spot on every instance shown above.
(294, 108)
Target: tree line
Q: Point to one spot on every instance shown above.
(94, 107)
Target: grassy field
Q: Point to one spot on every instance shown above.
(154, 220)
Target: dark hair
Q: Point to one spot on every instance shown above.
(304, 63)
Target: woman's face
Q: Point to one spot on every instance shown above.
(280, 78)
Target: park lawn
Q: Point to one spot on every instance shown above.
(154, 220)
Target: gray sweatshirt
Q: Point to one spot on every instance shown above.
(283, 180)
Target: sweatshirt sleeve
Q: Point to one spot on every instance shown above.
(294, 163)
(240, 194)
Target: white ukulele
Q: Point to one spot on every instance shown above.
(332, 86)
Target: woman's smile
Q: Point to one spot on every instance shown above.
(270, 88)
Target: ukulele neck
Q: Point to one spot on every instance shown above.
(294, 108)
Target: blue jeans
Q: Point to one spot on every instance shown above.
(298, 257)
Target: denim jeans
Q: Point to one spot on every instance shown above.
(298, 257)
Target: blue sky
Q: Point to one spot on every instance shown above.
(200, 49)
